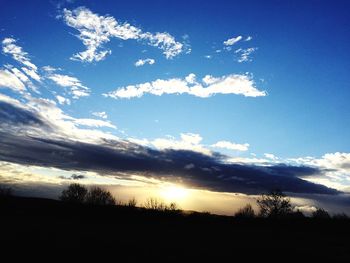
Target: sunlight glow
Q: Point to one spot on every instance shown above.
(174, 193)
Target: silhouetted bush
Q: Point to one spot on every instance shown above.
(75, 193)
(173, 207)
(340, 216)
(132, 202)
(245, 212)
(5, 191)
(320, 213)
(99, 196)
(274, 205)
(296, 214)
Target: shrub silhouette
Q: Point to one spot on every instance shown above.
(245, 212)
(132, 202)
(5, 191)
(320, 213)
(75, 193)
(173, 207)
(99, 196)
(340, 216)
(274, 205)
(296, 214)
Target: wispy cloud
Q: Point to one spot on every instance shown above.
(10, 47)
(232, 41)
(10, 80)
(62, 100)
(209, 86)
(94, 123)
(142, 62)
(95, 31)
(231, 146)
(244, 54)
(77, 89)
(101, 114)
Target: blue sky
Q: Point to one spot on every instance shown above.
(277, 71)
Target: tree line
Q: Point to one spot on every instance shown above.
(274, 204)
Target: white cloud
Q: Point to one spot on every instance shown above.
(77, 89)
(230, 84)
(245, 160)
(31, 73)
(62, 100)
(19, 74)
(231, 146)
(142, 62)
(232, 41)
(165, 42)
(94, 123)
(187, 141)
(95, 31)
(208, 56)
(143, 142)
(248, 38)
(101, 114)
(191, 78)
(270, 156)
(11, 81)
(338, 160)
(9, 47)
(50, 69)
(244, 54)
(208, 79)
(60, 125)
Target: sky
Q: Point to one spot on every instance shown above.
(208, 103)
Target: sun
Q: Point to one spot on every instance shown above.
(174, 193)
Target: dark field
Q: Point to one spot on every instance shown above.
(52, 230)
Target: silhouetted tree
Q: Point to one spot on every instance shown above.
(155, 204)
(173, 207)
(245, 212)
(274, 204)
(75, 193)
(132, 202)
(320, 213)
(99, 196)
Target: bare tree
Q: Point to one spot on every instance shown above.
(274, 204)
(155, 204)
(75, 193)
(132, 202)
(245, 212)
(99, 196)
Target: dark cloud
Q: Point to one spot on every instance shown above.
(112, 156)
(74, 177)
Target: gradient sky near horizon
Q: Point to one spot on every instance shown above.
(257, 89)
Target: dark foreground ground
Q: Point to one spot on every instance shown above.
(50, 230)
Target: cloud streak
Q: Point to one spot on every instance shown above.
(209, 86)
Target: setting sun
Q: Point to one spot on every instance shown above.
(174, 193)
